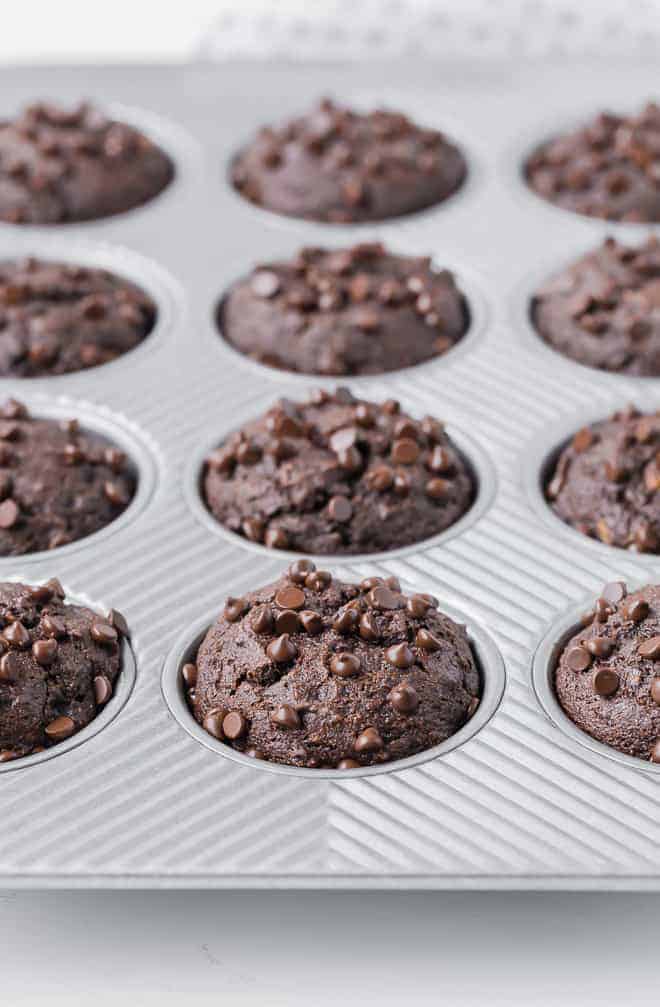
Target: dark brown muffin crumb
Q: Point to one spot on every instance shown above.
(341, 166)
(56, 318)
(313, 672)
(608, 676)
(57, 483)
(605, 482)
(337, 474)
(609, 168)
(359, 310)
(59, 165)
(58, 666)
(604, 310)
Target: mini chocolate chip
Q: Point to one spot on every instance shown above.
(60, 728)
(369, 628)
(287, 621)
(345, 665)
(599, 646)
(346, 622)
(254, 753)
(102, 689)
(234, 609)
(364, 415)
(9, 667)
(636, 610)
(282, 650)
(262, 620)
(391, 407)
(117, 620)
(276, 538)
(290, 598)
(44, 651)
(405, 451)
(655, 752)
(9, 513)
(602, 610)
(348, 764)
(400, 655)
(349, 459)
(115, 494)
(189, 675)
(582, 440)
(605, 681)
(578, 658)
(650, 648)
(253, 529)
(298, 571)
(655, 691)
(318, 581)
(248, 453)
(16, 635)
(213, 723)
(285, 716)
(404, 698)
(417, 606)
(53, 626)
(265, 283)
(368, 740)
(437, 489)
(40, 593)
(380, 478)
(103, 633)
(614, 592)
(234, 726)
(427, 641)
(340, 509)
(312, 622)
(381, 597)
(440, 460)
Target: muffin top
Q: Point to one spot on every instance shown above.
(57, 483)
(608, 676)
(337, 474)
(56, 318)
(359, 310)
(609, 168)
(313, 672)
(337, 165)
(58, 667)
(60, 165)
(604, 309)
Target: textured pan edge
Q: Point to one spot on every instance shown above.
(121, 695)
(152, 278)
(544, 663)
(491, 671)
(140, 451)
(475, 457)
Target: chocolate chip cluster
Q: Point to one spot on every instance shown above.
(337, 474)
(58, 666)
(609, 168)
(604, 309)
(56, 318)
(605, 482)
(57, 483)
(608, 676)
(358, 310)
(60, 165)
(339, 165)
(311, 672)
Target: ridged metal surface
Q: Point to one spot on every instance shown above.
(521, 804)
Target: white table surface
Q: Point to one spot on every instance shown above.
(459, 950)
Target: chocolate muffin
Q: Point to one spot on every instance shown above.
(608, 676)
(605, 482)
(58, 668)
(56, 318)
(609, 168)
(313, 672)
(60, 165)
(57, 483)
(604, 310)
(342, 166)
(337, 474)
(361, 310)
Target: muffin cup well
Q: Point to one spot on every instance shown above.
(544, 664)
(124, 263)
(118, 432)
(477, 461)
(121, 694)
(487, 657)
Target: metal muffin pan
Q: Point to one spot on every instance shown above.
(518, 803)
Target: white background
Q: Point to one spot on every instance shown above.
(143, 948)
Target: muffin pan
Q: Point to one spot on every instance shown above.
(515, 799)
